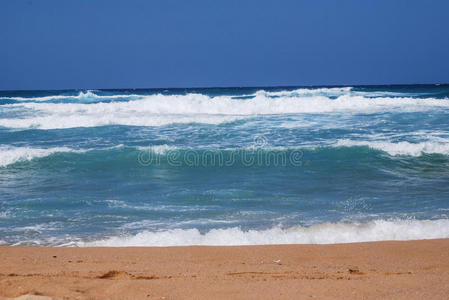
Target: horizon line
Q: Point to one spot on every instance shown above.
(232, 87)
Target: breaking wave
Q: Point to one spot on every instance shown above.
(401, 148)
(158, 110)
(80, 96)
(10, 155)
(327, 233)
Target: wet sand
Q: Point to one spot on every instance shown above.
(388, 270)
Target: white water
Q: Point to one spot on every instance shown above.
(10, 155)
(158, 110)
(327, 233)
(401, 148)
(81, 95)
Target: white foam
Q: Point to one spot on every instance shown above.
(81, 95)
(308, 92)
(157, 149)
(5, 214)
(337, 92)
(157, 110)
(401, 148)
(327, 233)
(10, 155)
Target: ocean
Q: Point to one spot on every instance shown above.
(224, 166)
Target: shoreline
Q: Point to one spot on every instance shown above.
(369, 270)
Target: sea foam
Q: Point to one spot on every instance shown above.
(158, 110)
(400, 148)
(10, 155)
(327, 233)
(81, 95)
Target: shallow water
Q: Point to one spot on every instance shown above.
(224, 166)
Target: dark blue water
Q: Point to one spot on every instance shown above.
(224, 166)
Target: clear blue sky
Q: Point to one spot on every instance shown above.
(192, 43)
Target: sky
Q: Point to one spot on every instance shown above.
(85, 44)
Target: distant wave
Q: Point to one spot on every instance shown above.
(339, 91)
(81, 95)
(327, 233)
(307, 92)
(333, 92)
(159, 110)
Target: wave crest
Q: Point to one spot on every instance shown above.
(400, 148)
(10, 155)
(158, 110)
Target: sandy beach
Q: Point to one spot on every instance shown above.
(388, 270)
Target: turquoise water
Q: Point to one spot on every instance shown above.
(224, 166)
